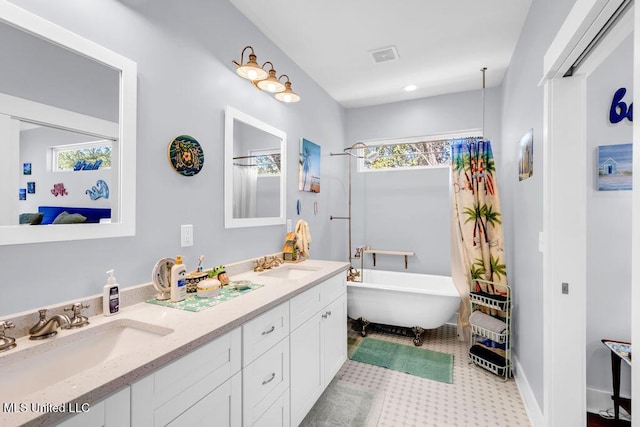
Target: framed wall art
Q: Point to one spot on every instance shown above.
(309, 177)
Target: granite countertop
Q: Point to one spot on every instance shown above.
(191, 330)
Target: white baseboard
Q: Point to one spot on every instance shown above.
(528, 398)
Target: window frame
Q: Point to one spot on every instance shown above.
(55, 150)
(471, 133)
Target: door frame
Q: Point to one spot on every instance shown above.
(564, 225)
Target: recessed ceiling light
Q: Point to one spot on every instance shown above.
(410, 88)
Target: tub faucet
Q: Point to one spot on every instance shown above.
(48, 328)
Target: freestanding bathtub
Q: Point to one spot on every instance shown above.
(417, 301)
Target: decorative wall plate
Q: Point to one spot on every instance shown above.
(186, 155)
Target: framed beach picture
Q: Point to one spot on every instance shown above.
(614, 167)
(309, 176)
(525, 163)
(31, 187)
(26, 168)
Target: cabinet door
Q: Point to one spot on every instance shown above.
(306, 367)
(334, 334)
(114, 411)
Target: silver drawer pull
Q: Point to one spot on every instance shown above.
(324, 316)
(273, 328)
(265, 382)
(329, 312)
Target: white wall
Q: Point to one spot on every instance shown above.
(185, 79)
(522, 109)
(410, 210)
(609, 238)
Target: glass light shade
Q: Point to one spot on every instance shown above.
(251, 70)
(287, 95)
(271, 83)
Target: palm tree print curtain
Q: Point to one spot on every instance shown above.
(477, 239)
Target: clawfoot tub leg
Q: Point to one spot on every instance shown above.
(364, 323)
(417, 330)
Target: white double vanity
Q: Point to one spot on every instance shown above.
(263, 359)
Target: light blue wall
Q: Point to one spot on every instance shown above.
(185, 79)
(522, 109)
(609, 224)
(410, 210)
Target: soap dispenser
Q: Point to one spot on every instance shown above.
(111, 296)
(178, 280)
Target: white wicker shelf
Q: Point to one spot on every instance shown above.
(493, 336)
(492, 367)
(489, 301)
(502, 303)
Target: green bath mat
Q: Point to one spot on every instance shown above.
(344, 404)
(403, 358)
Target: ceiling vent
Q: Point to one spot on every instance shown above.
(385, 54)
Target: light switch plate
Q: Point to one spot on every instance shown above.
(186, 235)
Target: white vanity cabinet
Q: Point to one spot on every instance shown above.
(318, 342)
(265, 368)
(112, 411)
(203, 387)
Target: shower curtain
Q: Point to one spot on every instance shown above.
(245, 180)
(477, 248)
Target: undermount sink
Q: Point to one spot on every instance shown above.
(51, 361)
(289, 271)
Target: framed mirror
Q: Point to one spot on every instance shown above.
(68, 134)
(254, 171)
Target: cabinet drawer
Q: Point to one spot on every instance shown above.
(277, 415)
(221, 407)
(264, 380)
(219, 358)
(332, 288)
(305, 305)
(263, 332)
(163, 395)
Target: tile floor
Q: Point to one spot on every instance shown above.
(475, 398)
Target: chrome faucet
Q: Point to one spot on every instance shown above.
(48, 328)
(6, 343)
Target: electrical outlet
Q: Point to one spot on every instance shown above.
(289, 226)
(186, 235)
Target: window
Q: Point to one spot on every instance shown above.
(267, 161)
(82, 156)
(423, 152)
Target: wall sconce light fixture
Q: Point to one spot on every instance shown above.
(265, 80)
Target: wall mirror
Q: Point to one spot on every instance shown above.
(255, 171)
(64, 94)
